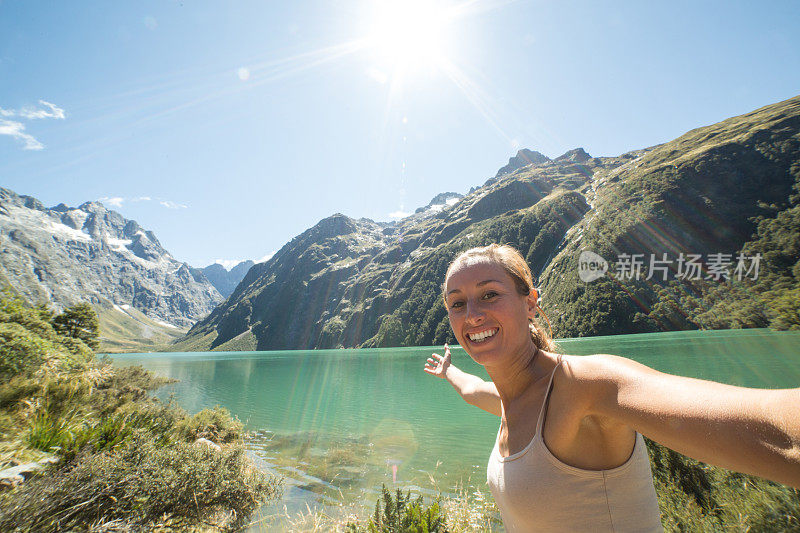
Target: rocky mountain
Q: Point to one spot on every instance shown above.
(729, 188)
(63, 255)
(439, 202)
(225, 280)
(523, 159)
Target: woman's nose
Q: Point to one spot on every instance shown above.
(475, 314)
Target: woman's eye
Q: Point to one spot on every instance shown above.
(489, 295)
(457, 305)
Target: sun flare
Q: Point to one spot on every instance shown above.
(408, 33)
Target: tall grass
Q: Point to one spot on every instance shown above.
(142, 485)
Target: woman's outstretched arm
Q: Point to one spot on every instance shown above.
(474, 390)
(756, 431)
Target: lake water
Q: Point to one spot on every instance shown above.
(339, 423)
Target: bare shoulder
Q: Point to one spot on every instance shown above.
(595, 440)
(579, 380)
(589, 372)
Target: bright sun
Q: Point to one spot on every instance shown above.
(408, 33)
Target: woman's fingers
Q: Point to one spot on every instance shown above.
(435, 364)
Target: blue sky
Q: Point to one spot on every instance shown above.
(227, 128)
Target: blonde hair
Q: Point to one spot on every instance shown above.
(515, 266)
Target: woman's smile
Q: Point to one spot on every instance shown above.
(483, 335)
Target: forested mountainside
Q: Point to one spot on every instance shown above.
(64, 255)
(713, 198)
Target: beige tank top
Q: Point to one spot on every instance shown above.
(536, 492)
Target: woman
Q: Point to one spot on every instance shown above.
(569, 454)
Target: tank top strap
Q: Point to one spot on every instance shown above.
(543, 409)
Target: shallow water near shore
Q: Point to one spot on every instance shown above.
(340, 423)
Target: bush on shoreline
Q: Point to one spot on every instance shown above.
(399, 512)
(695, 496)
(124, 460)
(141, 485)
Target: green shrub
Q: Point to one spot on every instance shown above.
(125, 386)
(123, 460)
(139, 486)
(401, 514)
(51, 432)
(79, 322)
(215, 424)
(17, 389)
(109, 433)
(20, 350)
(694, 496)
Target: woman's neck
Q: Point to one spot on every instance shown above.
(517, 376)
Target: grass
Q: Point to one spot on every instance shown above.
(133, 331)
(461, 511)
(195, 343)
(244, 342)
(124, 460)
(142, 485)
(694, 496)
(124, 457)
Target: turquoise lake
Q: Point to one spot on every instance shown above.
(339, 423)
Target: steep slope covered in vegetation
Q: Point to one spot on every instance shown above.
(728, 188)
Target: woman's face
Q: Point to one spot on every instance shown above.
(488, 316)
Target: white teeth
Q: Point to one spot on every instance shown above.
(478, 337)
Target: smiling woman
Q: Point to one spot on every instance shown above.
(570, 453)
(507, 263)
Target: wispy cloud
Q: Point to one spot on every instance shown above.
(169, 204)
(17, 129)
(228, 264)
(397, 215)
(117, 201)
(50, 111)
(47, 110)
(113, 202)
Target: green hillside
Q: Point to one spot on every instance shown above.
(728, 188)
(129, 330)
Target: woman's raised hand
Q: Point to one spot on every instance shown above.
(437, 364)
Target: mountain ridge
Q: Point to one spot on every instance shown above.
(348, 282)
(64, 255)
